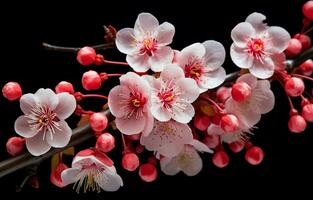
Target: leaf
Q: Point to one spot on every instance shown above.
(55, 161)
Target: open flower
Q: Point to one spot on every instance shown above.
(202, 62)
(260, 101)
(172, 95)
(167, 138)
(43, 122)
(92, 171)
(187, 161)
(129, 103)
(256, 45)
(145, 45)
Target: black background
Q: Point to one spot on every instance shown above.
(288, 157)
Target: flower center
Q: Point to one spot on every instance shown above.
(136, 103)
(256, 47)
(88, 179)
(194, 71)
(148, 46)
(167, 96)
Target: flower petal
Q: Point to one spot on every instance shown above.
(194, 163)
(109, 181)
(172, 72)
(28, 102)
(264, 97)
(69, 176)
(139, 63)
(126, 42)
(169, 166)
(116, 100)
(165, 34)
(61, 137)
(66, 106)
(240, 57)
(214, 54)
(146, 24)
(159, 112)
(251, 80)
(278, 38)
(212, 79)
(149, 124)
(189, 88)
(194, 51)
(242, 33)
(264, 69)
(46, 97)
(199, 146)
(23, 128)
(215, 130)
(162, 57)
(256, 20)
(279, 61)
(37, 145)
(183, 116)
(130, 126)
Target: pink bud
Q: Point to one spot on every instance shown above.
(12, 91)
(64, 86)
(130, 161)
(241, 91)
(148, 172)
(294, 48)
(15, 145)
(306, 68)
(134, 137)
(294, 87)
(212, 141)
(91, 80)
(254, 155)
(98, 122)
(201, 122)
(304, 40)
(55, 176)
(307, 112)
(86, 56)
(105, 142)
(229, 123)
(220, 159)
(237, 146)
(296, 124)
(307, 10)
(223, 93)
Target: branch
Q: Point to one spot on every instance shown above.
(81, 134)
(75, 49)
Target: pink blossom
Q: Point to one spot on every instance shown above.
(43, 123)
(145, 44)
(202, 62)
(129, 103)
(167, 138)
(172, 95)
(260, 101)
(257, 45)
(92, 171)
(188, 160)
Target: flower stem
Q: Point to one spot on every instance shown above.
(124, 142)
(94, 96)
(302, 76)
(115, 62)
(115, 75)
(213, 103)
(75, 49)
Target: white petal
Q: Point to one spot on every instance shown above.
(160, 113)
(149, 124)
(146, 24)
(130, 126)
(139, 63)
(199, 146)
(116, 100)
(264, 97)
(190, 91)
(109, 181)
(212, 79)
(61, 137)
(194, 51)
(264, 69)
(169, 166)
(279, 61)
(256, 20)
(214, 54)
(37, 145)
(162, 57)
(126, 41)
(165, 34)
(23, 128)
(251, 80)
(28, 102)
(46, 97)
(241, 57)
(172, 72)
(242, 33)
(66, 106)
(278, 39)
(194, 164)
(69, 176)
(183, 116)
(215, 130)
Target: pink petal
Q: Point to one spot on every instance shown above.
(169, 166)
(70, 176)
(189, 88)
(194, 51)
(66, 106)
(149, 124)
(251, 80)
(159, 112)
(194, 165)
(37, 145)
(162, 57)
(233, 137)
(242, 33)
(109, 181)
(130, 126)
(267, 102)
(172, 72)
(278, 39)
(212, 79)
(264, 69)
(23, 128)
(165, 34)
(139, 63)
(152, 81)
(134, 82)
(61, 137)
(146, 24)
(279, 61)
(184, 116)
(241, 57)
(126, 42)
(215, 130)
(28, 102)
(256, 20)
(214, 54)
(116, 100)
(46, 97)
(199, 146)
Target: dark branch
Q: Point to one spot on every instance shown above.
(75, 49)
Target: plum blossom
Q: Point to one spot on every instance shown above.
(145, 44)
(167, 138)
(129, 103)
(92, 171)
(188, 160)
(43, 123)
(257, 45)
(172, 95)
(202, 62)
(260, 101)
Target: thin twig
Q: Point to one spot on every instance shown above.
(75, 49)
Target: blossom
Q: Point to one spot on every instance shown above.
(202, 62)
(167, 138)
(93, 171)
(172, 95)
(260, 101)
(129, 103)
(257, 45)
(188, 160)
(145, 44)
(43, 123)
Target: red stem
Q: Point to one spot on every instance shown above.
(213, 103)
(115, 75)
(94, 96)
(124, 142)
(115, 62)
(308, 31)
(302, 76)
